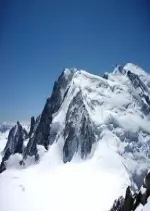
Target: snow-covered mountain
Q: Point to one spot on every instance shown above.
(91, 141)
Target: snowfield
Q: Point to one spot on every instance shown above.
(117, 110)
(51, 185)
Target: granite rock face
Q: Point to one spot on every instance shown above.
(16, 137)
(142, 89)
(41, 133)
(136, 81)
(32, 124)
(79, 131)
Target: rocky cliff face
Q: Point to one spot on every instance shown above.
(15, 139)
(32, 124)
(41, 134)
(79, 132)
(14, 144)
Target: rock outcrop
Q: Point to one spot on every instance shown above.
(136, 81)
(32, 124)
(133, 200)
(14, 144)
(41, 134)
(79, 133)
(118, 204)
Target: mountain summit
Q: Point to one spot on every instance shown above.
(100, 122)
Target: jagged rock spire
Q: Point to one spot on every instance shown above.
(32, 124)
(14, 144)
(53, 103)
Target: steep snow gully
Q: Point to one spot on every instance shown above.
(90, 142)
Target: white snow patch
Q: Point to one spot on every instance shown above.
(87, 185)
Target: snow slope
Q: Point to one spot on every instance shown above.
(52, 185)
(117, 110)
(146, 207)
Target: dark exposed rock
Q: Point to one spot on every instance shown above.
(124, 204)
(41, 133)
(147, 182)
(132, 201)
(118, 204)
(136, 81)
(60, 89)
(15, 139)
(119, 69)
(128, 202)
(105, 75)
(79, 133)
(71, 144)
(54, 131)
(14, 144)
(32, 124)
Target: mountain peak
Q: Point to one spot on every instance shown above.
(135, 69)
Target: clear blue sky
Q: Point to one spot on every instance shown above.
(38, 38)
